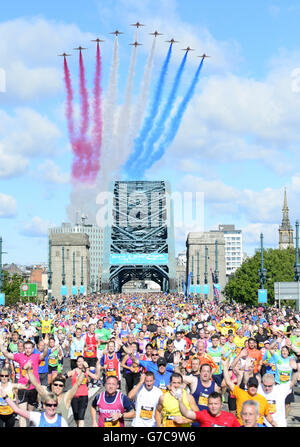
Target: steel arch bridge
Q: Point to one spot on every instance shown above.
(139, 242)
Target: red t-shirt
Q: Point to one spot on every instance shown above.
(225, 419)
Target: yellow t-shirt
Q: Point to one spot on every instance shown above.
(242, 395)
(46, 326)
(171, 409)
(240, 342)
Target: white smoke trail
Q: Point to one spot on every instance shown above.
(110, 106)
(141, 103)
(123, 129)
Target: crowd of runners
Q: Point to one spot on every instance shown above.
(155, 360)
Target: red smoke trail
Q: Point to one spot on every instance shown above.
(82, 169)
(69, 105)
(83, 98)
(97, 128)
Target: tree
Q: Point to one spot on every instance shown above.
(243, 286)
(11, 288)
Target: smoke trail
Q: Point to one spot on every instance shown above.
(97, 125)
(110, 105)
(160, 125)
(84, 101)
(69, 104)
(175, 122)
(149, 120)
(143, 96)
(125, 113)
(83, 169)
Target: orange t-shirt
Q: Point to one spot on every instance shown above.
(242, 395)
(257, 356)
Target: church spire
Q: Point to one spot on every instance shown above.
(286, 238)
(285, 213)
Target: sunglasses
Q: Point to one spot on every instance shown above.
(51, 405)
(154, 355)
(4, 375)
(59, 384)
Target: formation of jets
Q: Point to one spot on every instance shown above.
(117, 32)
(135, 44)
(187, 49)
(98, 40)
(156, 33)
(137, 24)
(79, 48)
(172, 41)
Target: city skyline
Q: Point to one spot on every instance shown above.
(238, 140)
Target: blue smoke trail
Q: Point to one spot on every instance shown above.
(175, 122)
(149, 120)
(160, 126)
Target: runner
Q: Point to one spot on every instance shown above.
(112, 405)
(146, 396)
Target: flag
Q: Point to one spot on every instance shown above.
(213, 276)
(188, 284)
(216, 290)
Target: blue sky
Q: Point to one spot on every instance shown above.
(239, 139)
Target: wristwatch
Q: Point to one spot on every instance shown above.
(5, 397)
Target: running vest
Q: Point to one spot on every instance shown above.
(77, 348)
(201, 394)
(171, 409)
(216, 355)
(284, 370)
(82, 389)
(44, 423)
(105, 409)
(90, 349)
(5, 409)
(53, 358)
(112, 366)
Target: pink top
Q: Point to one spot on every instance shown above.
(22, 359)
(105, 410)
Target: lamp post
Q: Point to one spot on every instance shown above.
(205, 271)
(216, 263)
(297, 265)
(1, 272)
(63, 281)
(262, 271)
(49, 273)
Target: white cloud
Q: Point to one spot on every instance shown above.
(8, 206)
(28, 54)
(25, 134)
(37, 227)
(49, 172)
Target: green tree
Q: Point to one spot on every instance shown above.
(243, 286)
(11, 288)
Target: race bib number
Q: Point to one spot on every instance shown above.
(84, 382)
(272, 405)
(24, 373)
(111, 372)
(170, 422)
(146, 412)
(108, 422)
(89, 353)
(77, 354)
(203, 400)
(42, 363)
(5, 410)
(284, 377)
(52, 362)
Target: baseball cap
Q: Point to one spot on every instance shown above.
(161, 361)
(266, 341)
(252, 382)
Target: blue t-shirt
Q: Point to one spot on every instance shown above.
(44, 367)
